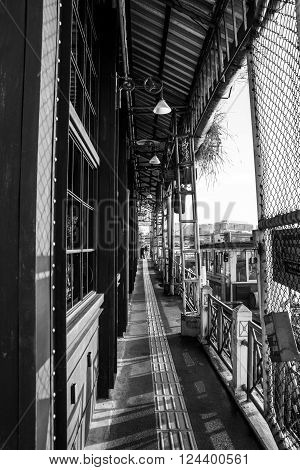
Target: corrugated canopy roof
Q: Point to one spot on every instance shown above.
(193, 48)
(166, 40)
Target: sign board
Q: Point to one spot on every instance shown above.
(286, 257)
(281, 337)
(218, 238)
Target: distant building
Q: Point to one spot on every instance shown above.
(227, 226)
(206, 229)
(220, 232)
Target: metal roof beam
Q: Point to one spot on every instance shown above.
(163, 55)
(204, 19)
(164, 40)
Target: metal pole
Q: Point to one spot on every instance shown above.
(180, 213)
(250, 362)
(196, 224)
(171, 241)
(259, 235)
(165, 241)
(298, 18)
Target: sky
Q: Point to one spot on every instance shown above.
(233, 196)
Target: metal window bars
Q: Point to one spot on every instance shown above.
(84, 68)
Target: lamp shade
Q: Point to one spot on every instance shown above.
(154, 160)
(162, 107)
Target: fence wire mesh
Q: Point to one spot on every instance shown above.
(274, 69)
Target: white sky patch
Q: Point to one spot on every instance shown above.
(233, 196)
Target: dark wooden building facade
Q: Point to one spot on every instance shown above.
(83, 85)
(68, 238)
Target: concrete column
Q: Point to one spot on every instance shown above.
(203, 277)
(204, 320)
(241, 315)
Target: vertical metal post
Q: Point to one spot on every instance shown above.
(215, 53)
(171, 241)
(298, 18)
(154, 237)
(209, 311)
(157, 235)
(180, 211)
(226, 37)
(196, 226)
(250, 362)
(220, 51)
(258, 235)
(234, 22)
(164, 241)
(219, 328)
(169, 233)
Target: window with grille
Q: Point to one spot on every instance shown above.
(84, 91)
(241, 271)
(80, 225)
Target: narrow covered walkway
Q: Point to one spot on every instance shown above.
(167, 395)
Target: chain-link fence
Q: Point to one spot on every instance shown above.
(274, 65)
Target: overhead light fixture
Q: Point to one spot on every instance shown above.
(154, 160)
(153, 84)
(162, 107)
(147, 142)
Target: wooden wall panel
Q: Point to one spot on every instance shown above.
(44, 224)
(108, 200)
(12, 22)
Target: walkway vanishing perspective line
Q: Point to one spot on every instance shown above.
(155, 405)
(174, 429)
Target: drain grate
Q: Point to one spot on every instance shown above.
(174, 431)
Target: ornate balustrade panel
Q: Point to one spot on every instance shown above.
(226, 349)
(191, 290)
(213, 323)
(219, 336)
(192, 287)
(255, 365)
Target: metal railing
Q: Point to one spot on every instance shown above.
(191, 290)
(223, 52)
(177, 273)
(219, 329)
(220, 338)
(255, 365)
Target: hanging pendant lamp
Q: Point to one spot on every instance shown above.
(154, 160)
(162, 107)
